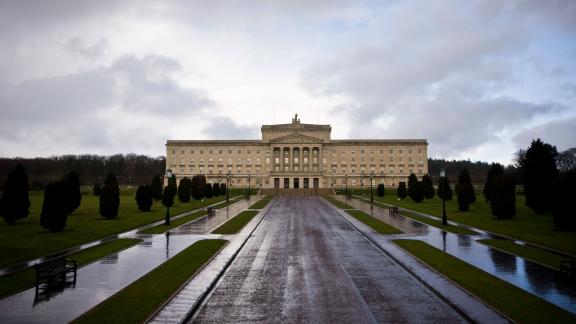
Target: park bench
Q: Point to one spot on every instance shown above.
(211, 211)
(568, 266)
(393, 211)
(54, 271)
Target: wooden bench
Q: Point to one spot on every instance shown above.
(568, 266)
(54, 271)
(211, 211)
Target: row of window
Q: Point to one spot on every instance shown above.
(241, 170)
(248, 151)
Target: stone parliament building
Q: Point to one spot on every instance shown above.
(298, 155)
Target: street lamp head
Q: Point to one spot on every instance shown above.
(169, 173)
(442, 173)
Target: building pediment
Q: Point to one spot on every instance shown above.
(296, 138)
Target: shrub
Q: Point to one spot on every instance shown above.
(496, 169)
(402, 192)
(208, 191)
(172, 185)
(223, 189)
(55, 206)
(184, 190)
(216, 189)
(15, 201)
(412, 181)
(198, 184)
(97, 189)
(417, 192)
(503, 196)
(110, 197)
(444, 189)
(428, 187)
(144, 198)
(380, 190)
(563, 209)
(465, 191)
(74, 196)
(156, 187)
(539, 171)
(168, 197)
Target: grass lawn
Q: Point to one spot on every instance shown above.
(27, 239)
(159, 229)
(261, 203)
(138, 301)
(526, 225)
(337, 203)
(517, 304)
(546, 258)
(21, 280)
(376, 224)
(235, 224)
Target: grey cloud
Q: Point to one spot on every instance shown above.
(561, 133)
(85, 49)
(225, 128)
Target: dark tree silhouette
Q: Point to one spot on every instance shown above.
(380, 191)
(172, 185)
(168, 197)
(208, 191)
(156, 187)
(223, 189)
(538, 167)
(110, 197)
(444, 189)
(97, 189)
(496, 169)
(216, 189)
(15, 201)
(402, 192)
(55, 206)
(563, 207)
(465, 191)
(74, 197)
(417, 192)
(198, 184)
(503, 196)
(428, 187)
(144, 198)
(184, 190)
(412, 183)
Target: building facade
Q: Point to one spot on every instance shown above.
(298, 155)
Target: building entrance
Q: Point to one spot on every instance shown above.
(306, 183)
(316, 183)
(296, 183)
(286, 183)
(276, 183)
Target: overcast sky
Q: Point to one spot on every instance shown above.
(478, 79)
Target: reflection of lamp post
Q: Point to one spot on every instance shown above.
(371, 195)
(443, 190)
(167, 218)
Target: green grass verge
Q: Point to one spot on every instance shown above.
(235, 224)
(376, 224)
(159, 229)
(337, 203)
(544, 257)
(525, 226)
(517, 304)
(27, 240)
(24, 279)
(138, 301)
(261, 203)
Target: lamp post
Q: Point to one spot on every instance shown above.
(346, 177)
(227, 185)
(167, 217)
(249, 176)
(371, 195)
(443, 190)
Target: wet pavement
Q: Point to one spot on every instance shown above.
(305, 263)
(539, 280)
(103, 278)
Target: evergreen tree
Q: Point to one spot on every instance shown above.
(223, 189)
(465, 191)
(184, 190)
(444, 189)
(74, 197)
(55, 206)
(402, 192)
(208, 191)
(503, 196)
(97, 189)
(563, 208)
(539, 171)
(216, 189)
(168, 197)
(110, 197)
(15, 201)
(412, 183)
(172, 185)
(198, 184)
(428, 187)
(144, 198)
(156, 187)
(417, 192)
(380, 191)
(496, 169)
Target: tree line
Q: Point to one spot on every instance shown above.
(129, 168)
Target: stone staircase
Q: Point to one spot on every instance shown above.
(300, 192)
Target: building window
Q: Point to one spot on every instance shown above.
(173, 151)
(220, 152)
(229, 151)
(211, 152)
(247, 151)
(201, 151)
(191, 151)
(239, 151)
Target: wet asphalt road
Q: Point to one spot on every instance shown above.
(307, 264)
